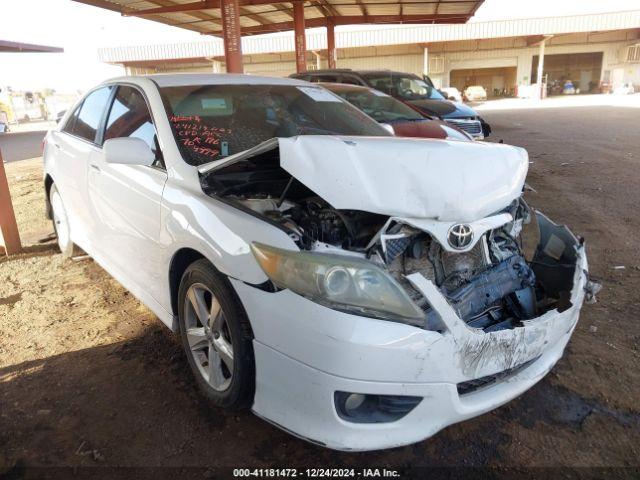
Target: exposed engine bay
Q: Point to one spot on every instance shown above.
(492, 286)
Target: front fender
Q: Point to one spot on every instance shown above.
(220, 232)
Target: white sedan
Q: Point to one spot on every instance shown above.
(358, 290)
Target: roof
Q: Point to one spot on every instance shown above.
(186, 79)
(7, 46)
(396, 35)
(343, 87)
(265, 16)
(377, 71)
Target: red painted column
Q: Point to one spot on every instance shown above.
(299, 38)
(331, 44)
(9, 236)
(231, 35)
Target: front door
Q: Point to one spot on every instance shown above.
(126, 199)
(72, 149)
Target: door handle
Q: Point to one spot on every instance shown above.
(95, 167)
(57, 145)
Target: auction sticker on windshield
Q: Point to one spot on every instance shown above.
(319, 94)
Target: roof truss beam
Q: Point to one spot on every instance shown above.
(351, 20)
(215, 4)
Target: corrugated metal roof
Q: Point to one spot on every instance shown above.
(264, 16)
(389, 36)
(7, 46)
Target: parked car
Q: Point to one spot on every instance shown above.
(451, 93)
(359, 290)
(624, 89)
(403, 120)
(475, 93)
(415, 91)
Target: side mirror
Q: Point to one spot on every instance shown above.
(128, 151)
(388, 128)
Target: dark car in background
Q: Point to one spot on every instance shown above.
(417, 92)
(403, 119)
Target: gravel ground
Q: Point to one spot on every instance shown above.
(89, 377)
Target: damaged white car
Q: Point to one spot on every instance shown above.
(358, 290)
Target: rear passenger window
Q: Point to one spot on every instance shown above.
(324, 78)
(88, 119)
(130, 117)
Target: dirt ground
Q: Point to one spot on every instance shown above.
(90, 377)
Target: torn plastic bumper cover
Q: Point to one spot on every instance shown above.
(459, 372)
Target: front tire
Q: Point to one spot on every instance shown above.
(216, 337)
(61, 223)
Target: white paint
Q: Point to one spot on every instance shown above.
(412, 178)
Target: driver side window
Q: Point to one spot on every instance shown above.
(130, 117)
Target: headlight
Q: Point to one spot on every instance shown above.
(339, 282)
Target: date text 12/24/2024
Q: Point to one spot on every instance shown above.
(315, 473)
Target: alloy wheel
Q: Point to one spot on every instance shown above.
(208, 336)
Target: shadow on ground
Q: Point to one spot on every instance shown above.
(134, 404)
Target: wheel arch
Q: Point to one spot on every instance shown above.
(179, 262)
(48, 183)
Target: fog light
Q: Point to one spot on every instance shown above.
(353, 401)
(368, 408)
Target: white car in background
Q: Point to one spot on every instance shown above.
(624, 89)
(475, 93)
(358, 290)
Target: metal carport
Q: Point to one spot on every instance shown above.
(231, 19)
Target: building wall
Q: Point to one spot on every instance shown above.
(465, 55)
(443, 57)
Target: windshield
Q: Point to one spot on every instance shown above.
(379, 106)
(408, 87)
(211, 122)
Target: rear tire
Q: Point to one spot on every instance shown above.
(61, 223)
(216, 336)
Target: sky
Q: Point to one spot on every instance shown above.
(82, 29)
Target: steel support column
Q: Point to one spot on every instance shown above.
(9, 236)
(540, 69)
(331, 44)
(299, 38)
(231, 35)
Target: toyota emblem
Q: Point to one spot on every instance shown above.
(460, 236)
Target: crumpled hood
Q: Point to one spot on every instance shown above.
(408, 178)
(443, 108)
(411, 178)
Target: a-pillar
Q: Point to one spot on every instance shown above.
(299, 38)
(232, 36)
(331, 44)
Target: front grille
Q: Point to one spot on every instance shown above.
(472, 127)
(471, 386)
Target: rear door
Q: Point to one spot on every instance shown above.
(126, 199)
(72, 149)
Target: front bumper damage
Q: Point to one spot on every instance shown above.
(305, 353)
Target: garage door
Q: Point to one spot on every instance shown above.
(583, 69)
(497, 82)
